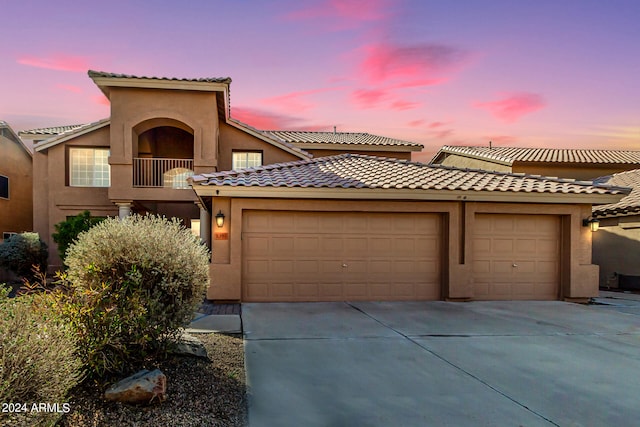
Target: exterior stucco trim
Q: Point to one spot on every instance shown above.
(400, 194)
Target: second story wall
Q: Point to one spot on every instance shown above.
(16, 210)
(56, 196)
(234, 140)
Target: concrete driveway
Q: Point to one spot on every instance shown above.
(442, 364)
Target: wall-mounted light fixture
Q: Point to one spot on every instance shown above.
(220, 219)
(592, 223)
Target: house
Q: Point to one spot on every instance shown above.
(316, 216)
(358, 227)
(616, 245)
(160, 132)
(566, 163)
(16, 203)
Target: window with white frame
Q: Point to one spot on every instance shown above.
(4, 187)
(246, 159)
(89, 167)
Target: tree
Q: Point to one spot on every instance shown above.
(67, 231)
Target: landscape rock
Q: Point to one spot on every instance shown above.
(188, 345)
(142, 387)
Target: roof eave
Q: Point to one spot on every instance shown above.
(438, 158)
(59, 139)
(338, 146)
(105, 83)
(401, 194)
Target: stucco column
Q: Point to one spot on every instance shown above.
(124, 209)
(205, 225)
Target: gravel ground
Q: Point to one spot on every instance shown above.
(199, 393)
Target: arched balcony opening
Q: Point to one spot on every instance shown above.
(163, 154)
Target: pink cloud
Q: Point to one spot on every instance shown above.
(266, 120)
(413, 65)
(341, 14)
(101, 99)
(513, 106)
(58, 62)
(70, 88)
(434, 125)
(368, 98)
(416, 123)
(401, 105)
(295, 101)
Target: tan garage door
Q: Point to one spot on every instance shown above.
(340, 256)
(516, 257)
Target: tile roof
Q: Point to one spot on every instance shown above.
(361, 171)
(349, 138)
(630, 205)
(265, 136)
(553, 155)
(96, 74)
(55, 130)
(65, 136)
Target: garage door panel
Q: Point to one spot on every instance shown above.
(516, 256)
(502, 245)
(385, 256)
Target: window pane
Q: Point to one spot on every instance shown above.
(243, 160)
(89, 167)
(4, 187)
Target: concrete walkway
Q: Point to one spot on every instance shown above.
(438, 363)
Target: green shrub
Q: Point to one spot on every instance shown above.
(23, 252)
(38, 361)
(135, 283)
(67, 231)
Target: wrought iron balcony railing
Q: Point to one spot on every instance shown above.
(163, 173)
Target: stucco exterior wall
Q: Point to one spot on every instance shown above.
(580, 171)
(54, 200)
(616, 249)
(232, 139)
(135, 110)
(578, 281)
(16, 213)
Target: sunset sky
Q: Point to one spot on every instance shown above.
(542, 73)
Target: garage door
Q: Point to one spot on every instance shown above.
(516, 257)
(340, 256)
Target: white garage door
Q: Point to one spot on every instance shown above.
(338, 256)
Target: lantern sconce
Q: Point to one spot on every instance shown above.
(220, 219)
(592, 223)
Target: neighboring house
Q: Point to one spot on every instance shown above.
(355, 227)
(16, 203)
(579, 164)
(160, 132)
(616, 245)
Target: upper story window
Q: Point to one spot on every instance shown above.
(89, 167)
(246, 159)
(4, 187)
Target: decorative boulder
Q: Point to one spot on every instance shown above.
(142, 387)
(188, 345)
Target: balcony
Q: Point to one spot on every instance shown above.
(162, 173)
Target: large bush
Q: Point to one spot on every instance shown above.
(38, 361)
(68, 230)
(23, 252)
(135, 283)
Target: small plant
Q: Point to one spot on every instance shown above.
(68, 230)
(23, 252)
(134, 284)
(38, 361)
